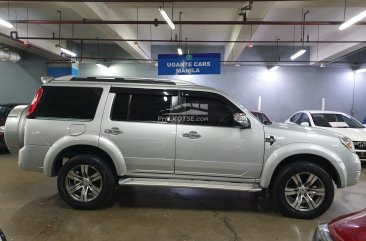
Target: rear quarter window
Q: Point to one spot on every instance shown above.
(68, 103)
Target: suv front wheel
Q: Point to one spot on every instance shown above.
(303, 190)
(86, 182)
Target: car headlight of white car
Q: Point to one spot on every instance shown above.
(347, 142)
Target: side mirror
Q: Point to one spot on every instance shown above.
(305, 124)
(242, 120)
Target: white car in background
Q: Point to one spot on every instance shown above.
(338, 122)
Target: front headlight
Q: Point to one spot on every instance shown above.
(347, 142)
(322, 233)
(2, 129)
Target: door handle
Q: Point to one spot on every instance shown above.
(113, 131)
(192, 135)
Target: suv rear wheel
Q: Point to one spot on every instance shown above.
(303, 190)
(86, 182)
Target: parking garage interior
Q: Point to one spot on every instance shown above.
(255, 41)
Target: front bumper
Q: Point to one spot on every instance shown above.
(361, 154)
(353, 169)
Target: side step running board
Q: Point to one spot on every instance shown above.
(190, 184)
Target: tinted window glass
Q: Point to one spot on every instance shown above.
(68, 103)
(305, 118)
(261, 117)
(296, 118)
(335, 121)
(120, 107)
(207, 111)
(149, 107)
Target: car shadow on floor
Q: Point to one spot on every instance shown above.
(187, 198)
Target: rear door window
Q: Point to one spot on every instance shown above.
(68, 103)
(141, 105)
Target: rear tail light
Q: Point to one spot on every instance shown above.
(35, 102)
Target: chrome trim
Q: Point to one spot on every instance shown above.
(190, 184)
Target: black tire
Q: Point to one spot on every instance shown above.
(300, 201)
(90, 176)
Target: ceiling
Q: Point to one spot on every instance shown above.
(325, 40)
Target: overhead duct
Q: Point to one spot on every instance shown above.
(9, 56)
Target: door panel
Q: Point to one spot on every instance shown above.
(133, 124)
(210, 144)
(220, 151)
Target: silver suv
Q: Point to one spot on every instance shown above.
(96, 133)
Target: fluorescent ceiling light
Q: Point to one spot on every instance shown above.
(66, 51)
(360, 71)
(180, 51)
(298, 54)
(353, 20)
(6, 23)
(102, 66)
(274, 68)
(166, 18)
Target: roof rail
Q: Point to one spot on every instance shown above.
(122, 80)
(183, 82)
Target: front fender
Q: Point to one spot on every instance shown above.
(87, 140)
(297, 149)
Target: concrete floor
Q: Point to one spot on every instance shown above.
(32, 210)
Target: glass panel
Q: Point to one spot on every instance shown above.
(68, 103)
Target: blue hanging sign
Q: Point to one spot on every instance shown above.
(189, 64)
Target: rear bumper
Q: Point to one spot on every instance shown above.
(32, 157)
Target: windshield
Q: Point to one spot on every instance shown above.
(262, 117)
(335, 121)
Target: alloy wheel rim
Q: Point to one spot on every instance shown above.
(304, 191)
(83, 183)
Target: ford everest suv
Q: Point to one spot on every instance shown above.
(95, 133)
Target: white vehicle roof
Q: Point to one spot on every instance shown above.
(323, 112)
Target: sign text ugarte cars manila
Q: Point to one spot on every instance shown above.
(189, 64)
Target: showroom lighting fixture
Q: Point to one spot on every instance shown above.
(352, 20)
(180, 51)
(6, 23)
(63, 50)
(302, 50)
(363, 70)
(298, 54)
(66, 51)
(251, 44)
(166, 18)
(102, 66)
(273, 68)
(179, 48)
(275, 57)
